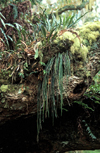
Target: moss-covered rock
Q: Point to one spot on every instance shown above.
(82, 38)
(76, 48)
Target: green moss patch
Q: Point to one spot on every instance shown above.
(76, 48)
(90, 32)
(82, 39)
(4, 88)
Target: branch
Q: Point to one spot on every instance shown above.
(70, 7)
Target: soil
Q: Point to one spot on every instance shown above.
(77, 129)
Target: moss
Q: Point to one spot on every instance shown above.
(64, 36)
(89, 33)
(88, 73)
(84, 52)
(93, 26)
(4, 88)
(76, 48)
(13, 88)
(4, 75)
(82, 42)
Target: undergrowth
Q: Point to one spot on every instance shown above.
(26, 48)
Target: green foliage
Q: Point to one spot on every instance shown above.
(83, 105)
(93, 93)
(36, 54)
(94, 90)
(70, 20)
(50, 24)
(56, 68)
(26, 66)
(4, 88)
(89, 131)
(21, 74)
(23, 34)
(50, 89)
(2, 29)
(53, 79)
(45, 27)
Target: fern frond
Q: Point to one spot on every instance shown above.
(38, 111)
(60, 80)
(56, 68)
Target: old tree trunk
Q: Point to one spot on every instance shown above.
(19, 99)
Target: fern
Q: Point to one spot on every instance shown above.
(67, 71)
(60, 79)
(53, 97)
(55, 69)
(5, 36)
(39, 111)
(83, 104)
(89, 130)
(3, 28)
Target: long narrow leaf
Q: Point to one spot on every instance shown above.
(18, 26)
(70, 21)
(4, 36)
(10, 38)
(8, 24)
(60, 80)
(3, 23)
(79, 18)
(54, 36)
(51, 32)
(43, 31)
(2, 16)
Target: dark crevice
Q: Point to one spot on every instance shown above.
(79, 88)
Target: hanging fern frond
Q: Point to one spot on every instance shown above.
(38, 111)
(56, 68)
(53, 97)
(67, 69)
(45, 85)
(60, 79)
(56, 74)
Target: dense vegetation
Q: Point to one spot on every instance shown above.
(24, 34)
